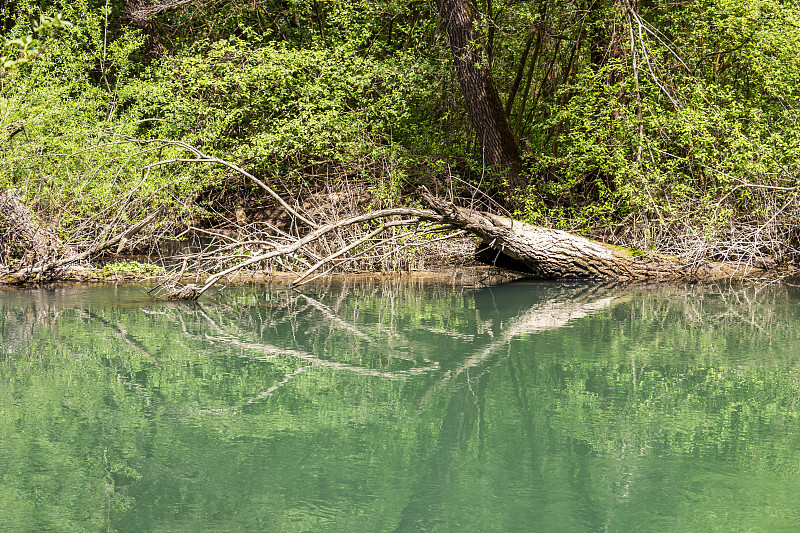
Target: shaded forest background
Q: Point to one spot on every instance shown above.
(665, 126)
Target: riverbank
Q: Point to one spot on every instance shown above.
(462, 275)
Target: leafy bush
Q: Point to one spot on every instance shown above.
(702, 139)
(699, 139)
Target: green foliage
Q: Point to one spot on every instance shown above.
(17, 52)
(131, 268)
(685, 123)
(68, 158)
(280, 108)
(693, 137)
(275, 106)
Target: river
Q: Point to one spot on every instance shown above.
(370, 407)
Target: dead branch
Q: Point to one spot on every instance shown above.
(371, 235)
(200, 157)
(194, 292)
(19, 275)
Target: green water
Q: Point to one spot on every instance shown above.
(525, 407)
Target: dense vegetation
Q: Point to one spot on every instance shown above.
(661, 125)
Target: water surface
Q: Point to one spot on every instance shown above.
(400, 407)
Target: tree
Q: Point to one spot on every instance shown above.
(498, 145)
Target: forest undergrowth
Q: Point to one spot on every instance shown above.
(663, 127)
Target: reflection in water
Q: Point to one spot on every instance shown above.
(368, 407)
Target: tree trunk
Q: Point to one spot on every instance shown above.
(498, 145)
(555, 254)
(22, 237)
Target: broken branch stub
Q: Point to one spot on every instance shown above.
(23, 235)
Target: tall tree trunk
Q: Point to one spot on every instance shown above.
(520, 71)
(538, 32)
(498, 145)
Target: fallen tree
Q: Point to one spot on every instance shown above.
(555, 254)
(541, 252)
(311, 245)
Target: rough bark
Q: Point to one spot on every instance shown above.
(554, 254)
(22, 238)
(31, 251)
(486, 111)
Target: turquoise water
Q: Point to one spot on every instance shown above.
(402, 407)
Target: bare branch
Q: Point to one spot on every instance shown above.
(424, 214)
(297, 282)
